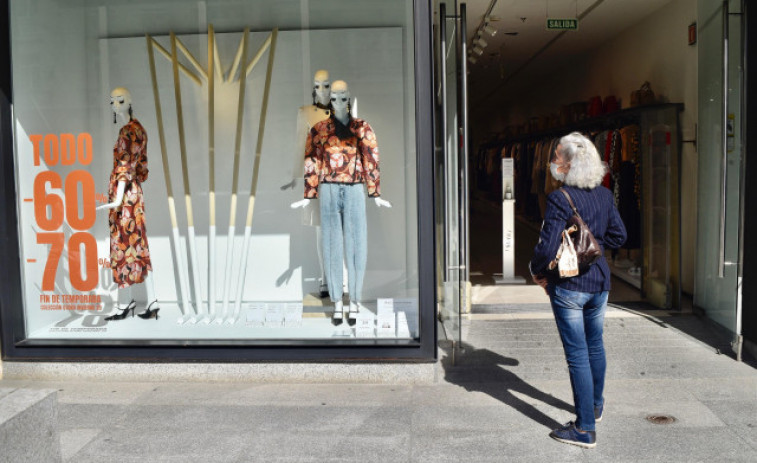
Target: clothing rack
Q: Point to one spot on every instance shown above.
(603, 122)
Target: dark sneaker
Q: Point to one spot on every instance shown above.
(569, 434)
(598, 412)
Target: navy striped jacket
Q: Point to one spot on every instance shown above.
(597, 209)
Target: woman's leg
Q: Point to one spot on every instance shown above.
(568, 309)
(594, 317)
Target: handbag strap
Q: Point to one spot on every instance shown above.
(570, 201)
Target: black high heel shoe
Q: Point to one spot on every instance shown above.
(150, 313)
(125, 313)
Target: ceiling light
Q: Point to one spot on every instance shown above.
(478, 50)
(481, 43)
(490, 30)
(472, 59)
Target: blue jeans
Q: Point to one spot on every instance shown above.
(344, 237)
(580, 319)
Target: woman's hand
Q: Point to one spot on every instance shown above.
(541, 281)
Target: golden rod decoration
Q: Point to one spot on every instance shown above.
(211, 164)
(237, 60)
(261, 127)
(191, 58)
(235, 179)
(256, 172)
(217, 58)
(183, 68)
(185, 173)
(166, 171)
(258, 55)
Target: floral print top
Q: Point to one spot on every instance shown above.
(329, 159)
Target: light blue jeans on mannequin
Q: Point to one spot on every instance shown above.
(344, 237)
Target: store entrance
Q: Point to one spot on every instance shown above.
(625, 75)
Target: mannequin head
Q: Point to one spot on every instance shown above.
(321, 87)
(120, 103)
(340, 100)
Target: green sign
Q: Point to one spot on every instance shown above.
(562, 24)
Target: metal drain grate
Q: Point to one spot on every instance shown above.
(661, 419)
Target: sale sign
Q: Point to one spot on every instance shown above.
(76, 208)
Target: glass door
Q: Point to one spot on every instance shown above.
(450, 167)
(721, 163)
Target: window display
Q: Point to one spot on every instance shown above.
(252, 223)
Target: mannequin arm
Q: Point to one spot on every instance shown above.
(119, 197)
(382, 203)
(300, 203)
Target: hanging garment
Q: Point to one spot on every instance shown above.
(129, 253)
(551, 183)
(330, 159)
(600, 141)
(628, 205)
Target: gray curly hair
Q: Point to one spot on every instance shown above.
(586, 167)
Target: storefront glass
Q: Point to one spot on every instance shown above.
(214, 108)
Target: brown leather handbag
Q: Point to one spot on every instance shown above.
(586, 246)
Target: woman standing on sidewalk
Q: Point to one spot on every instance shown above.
(579, 302)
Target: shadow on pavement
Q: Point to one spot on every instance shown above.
(695, 326)
(485, 371)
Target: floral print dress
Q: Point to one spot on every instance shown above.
(129, 253)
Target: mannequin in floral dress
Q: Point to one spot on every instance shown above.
(129, 252)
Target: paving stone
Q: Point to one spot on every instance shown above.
(332, 446)
(90, 416)
(170, 417)
(73, 440)
(492, 447)
(663, 443)
(154, 444)
(28, 430)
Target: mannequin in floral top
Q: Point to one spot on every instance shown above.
(129, 252)
(341, 163)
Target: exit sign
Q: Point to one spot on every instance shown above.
(562, 24)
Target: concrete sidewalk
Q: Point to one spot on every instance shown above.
(508, 389)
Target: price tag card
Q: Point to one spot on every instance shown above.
(384, 305)
(409, 308)
(403, 329)
(293, 314)
(274, 314)
(385, 326)
(255, 315)
(365, 326)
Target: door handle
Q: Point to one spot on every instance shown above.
(724, 142)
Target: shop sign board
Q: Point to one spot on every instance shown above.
(569, 24)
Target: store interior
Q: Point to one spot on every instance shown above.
(626, 76)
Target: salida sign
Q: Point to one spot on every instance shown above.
(570, 24)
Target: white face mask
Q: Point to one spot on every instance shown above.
(555, 174)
